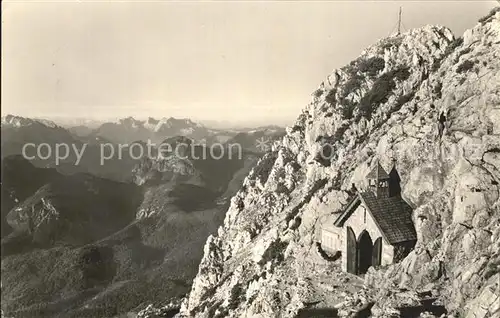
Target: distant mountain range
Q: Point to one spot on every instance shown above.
(18, 131)
(157, 130)
(18, 121)
(130, 129)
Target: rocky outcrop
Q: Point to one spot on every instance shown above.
(424, 102)
(73, 210)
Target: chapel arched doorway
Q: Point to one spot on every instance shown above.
(365, 250)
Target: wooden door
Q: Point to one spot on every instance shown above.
(377, 252)
(351, 251)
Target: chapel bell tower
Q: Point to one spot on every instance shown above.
(378, 181)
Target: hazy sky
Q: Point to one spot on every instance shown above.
(228, 60)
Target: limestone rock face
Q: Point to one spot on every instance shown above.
(424, 102)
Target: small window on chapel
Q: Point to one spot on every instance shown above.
(382, 184)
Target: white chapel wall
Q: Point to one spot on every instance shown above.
(358, 223)
(331, 239)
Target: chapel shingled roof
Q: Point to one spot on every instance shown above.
(391, 214)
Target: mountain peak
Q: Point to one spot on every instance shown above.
(18, 121)
(130, 122)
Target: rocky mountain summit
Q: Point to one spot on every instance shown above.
(424, 102)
